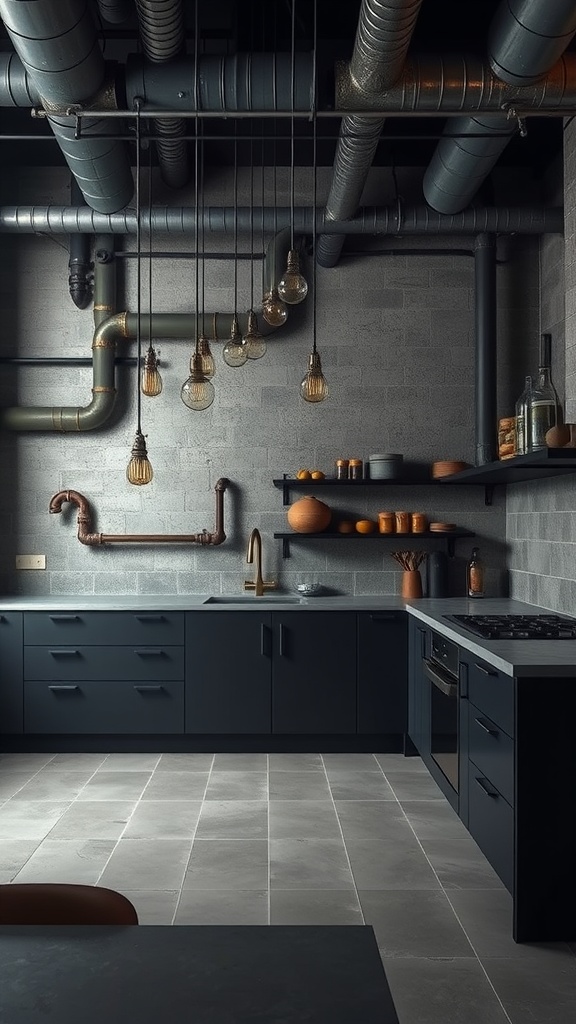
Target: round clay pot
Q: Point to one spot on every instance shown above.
(308, 515)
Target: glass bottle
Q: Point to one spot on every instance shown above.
(523, 417)
(544, 410)
(475, 575)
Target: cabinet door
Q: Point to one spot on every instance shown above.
(104, 707)
(314, 672)
(382, 671)
(418, 687)
(228, 672)
(11, 685)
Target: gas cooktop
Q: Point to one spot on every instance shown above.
(518, 627)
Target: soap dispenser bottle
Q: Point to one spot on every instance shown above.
(475, 575)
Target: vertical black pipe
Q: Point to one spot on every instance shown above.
(485, 327)
(79, 265)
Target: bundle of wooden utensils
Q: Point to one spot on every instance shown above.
(409, 560)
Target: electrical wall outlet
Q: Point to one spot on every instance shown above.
(30, 561)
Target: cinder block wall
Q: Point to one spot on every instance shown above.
(396, 339)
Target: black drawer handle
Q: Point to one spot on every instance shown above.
(150, 618)
(65, 654)
(281, 641)
(64, 618)
(485, 671)
(487, 788)
(140, 688)
(482, 724)
(145, 652)
(61, 687)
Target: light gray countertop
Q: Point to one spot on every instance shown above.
(514, 657)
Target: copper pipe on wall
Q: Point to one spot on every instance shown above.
(85, 536)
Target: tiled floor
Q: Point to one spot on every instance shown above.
(291, 839)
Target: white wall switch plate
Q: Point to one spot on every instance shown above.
(30, 561)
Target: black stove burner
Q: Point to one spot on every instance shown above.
(518, 627)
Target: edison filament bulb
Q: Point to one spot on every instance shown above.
(235, 349)
(254, 341)
(139, 470)
(314, 387)
(292, 286)
(197, 392)
(273, 309)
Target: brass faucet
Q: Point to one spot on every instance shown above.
(258, 585)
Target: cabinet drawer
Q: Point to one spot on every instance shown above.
(74, 663)
(492, 693)
(101, 706)
(492, 751)
(491, 824)
(104, 627)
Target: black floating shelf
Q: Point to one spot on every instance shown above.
(407, 541)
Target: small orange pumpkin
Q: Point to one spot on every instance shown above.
(365, 526)
(308, 515)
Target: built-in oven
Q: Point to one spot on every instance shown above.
(441, 669)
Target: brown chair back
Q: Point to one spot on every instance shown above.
(52, 903)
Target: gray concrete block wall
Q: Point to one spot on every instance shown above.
(396, 337)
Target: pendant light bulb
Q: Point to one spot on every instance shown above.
(197, 392)
(151, 382)
(254, 341)
(139, 470)
(273, 309)
(292, 287)
(235, 350)
(314, 387)
(208, 366)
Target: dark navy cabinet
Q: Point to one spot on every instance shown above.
(11, 677)
(382, 672)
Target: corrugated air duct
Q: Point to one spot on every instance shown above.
(161, 25)
(526, 39)
(57, 44)
(115, 12)
(383, 36)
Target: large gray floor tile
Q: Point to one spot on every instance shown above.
(400, 763)
(433, 819)
(79, 861)
(315, 906)
(11, 783)
(256, 762)
(153, 906)
(147, 864)
(372, 819)
(347, 785)
(54, 786)
(295, 762)
(414, 786)
(460, 864)
(309, 864)
(23, 762)
(299, 785)
(130, 763)
(75, 762)
(98, 819)
(414, 923)
(303, 819)
(164, 819)
(115, 786)
(429, 991)
(233, 819)
(176, 786)
(350, 762)
(218, 907)
(224, 785)
(14, 853)
(545, 993)
(390, 864)
(185, 763)
(228, 864)
(21, 819)
(486, 916)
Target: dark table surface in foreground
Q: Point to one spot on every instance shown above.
(193, 974)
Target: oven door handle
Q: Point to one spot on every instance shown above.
(444, 684)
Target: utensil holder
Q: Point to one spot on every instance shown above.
(411, 583)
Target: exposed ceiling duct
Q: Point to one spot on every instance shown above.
(115, 12)
(526, 39)
(382, 39)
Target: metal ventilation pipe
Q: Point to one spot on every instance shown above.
(383, 36)
(115, 12)
(162, 31)
(526, 39)
(57, 43)
(79, 265)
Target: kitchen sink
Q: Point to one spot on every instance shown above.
(252, 599)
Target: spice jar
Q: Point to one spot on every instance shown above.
(355, 469)
(507, 437)
(386, 522)
(418, 522)
(402, 522)
(341, 469)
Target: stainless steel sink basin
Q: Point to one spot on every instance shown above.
(252, 599)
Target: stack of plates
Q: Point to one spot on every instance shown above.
(447, 468)
(441, 527)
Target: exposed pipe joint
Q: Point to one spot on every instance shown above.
(527, 37)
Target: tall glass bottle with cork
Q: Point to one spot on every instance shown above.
(523, 417)
(544, 406)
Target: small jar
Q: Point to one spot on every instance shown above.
(418, 522)
(341, 469)
(386, 522)
(355, 469)
(403, 522)
(507, 437)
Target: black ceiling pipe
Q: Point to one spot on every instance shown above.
(79, 264)
(485, 341)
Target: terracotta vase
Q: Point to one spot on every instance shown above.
(308, 515)
(411, 583)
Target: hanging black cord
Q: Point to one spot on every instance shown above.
(292, 126)
(315, 174)
(252, 223)
(150, 246)
(138, 269)
(196, 191)
(235, 225)
(202, 234)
